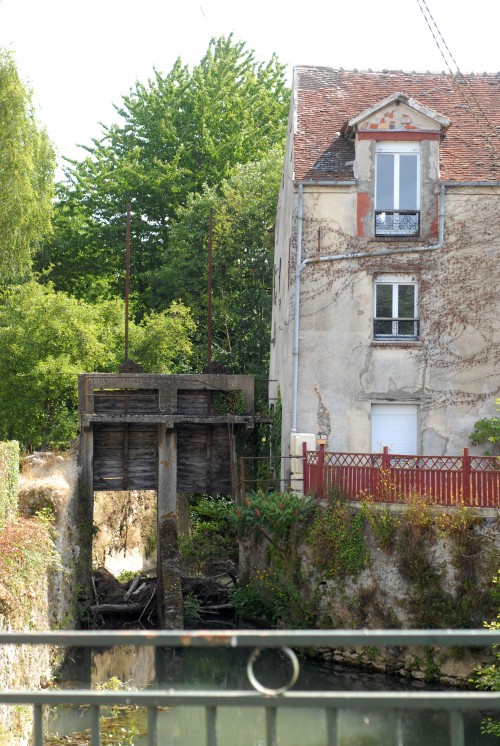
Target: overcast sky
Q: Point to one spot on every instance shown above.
(81, 57)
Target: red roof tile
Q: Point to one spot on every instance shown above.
(328, 98)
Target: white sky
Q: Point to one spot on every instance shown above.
(80, 57)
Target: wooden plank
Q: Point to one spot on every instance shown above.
(193, 402)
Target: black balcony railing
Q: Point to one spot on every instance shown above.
(395, 328)
(397, 222)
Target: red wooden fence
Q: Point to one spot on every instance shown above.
(388, 477)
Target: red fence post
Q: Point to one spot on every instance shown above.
(382, 476)
(321, 471)
(466, 474)
(305, 469)
(386, 462)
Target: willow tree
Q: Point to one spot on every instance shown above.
(26, 176)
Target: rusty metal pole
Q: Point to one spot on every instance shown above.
(127, 278)
(209, 308)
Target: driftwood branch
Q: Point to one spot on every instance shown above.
(116, 608)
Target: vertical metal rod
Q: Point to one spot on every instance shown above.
(332, 727)
(271, 738)
(242, 479)
(95, 726)
(37, 725)
(127, 278)
(397, 728)
(152, 726)
(211, 725)
(456, 729)
(209, 308)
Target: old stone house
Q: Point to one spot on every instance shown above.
(386, 277)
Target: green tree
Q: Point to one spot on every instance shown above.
(244, 210)
(178, 132)
(26, 176)
(47, 338)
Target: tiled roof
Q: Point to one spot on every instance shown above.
(328, 98)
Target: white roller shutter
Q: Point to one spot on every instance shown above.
(395, 425)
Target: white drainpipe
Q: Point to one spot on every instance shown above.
(337, 257)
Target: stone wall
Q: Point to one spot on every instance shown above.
(368, 566)
(39, 591)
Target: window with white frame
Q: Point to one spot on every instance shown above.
(395, 313)
(397, 189)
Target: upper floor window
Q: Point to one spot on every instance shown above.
(397, 189)
(395, 311)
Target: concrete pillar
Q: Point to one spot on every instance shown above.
(170, 605)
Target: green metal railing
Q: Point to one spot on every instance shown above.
(453, 702)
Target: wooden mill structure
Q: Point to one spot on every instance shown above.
(169, 433)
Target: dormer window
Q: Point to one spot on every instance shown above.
(397, 189)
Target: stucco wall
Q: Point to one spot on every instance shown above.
(449, 373)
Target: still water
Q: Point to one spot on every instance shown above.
(226, 669)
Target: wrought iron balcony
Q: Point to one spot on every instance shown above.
(395, 328)
(397, 222)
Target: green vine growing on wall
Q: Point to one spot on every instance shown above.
(337, 542)
(228, 402)
(275, 436)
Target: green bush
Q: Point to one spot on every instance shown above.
(273, 514)
(212, 539)
(267, 599)
(487, 431)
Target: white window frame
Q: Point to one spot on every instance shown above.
(397, 149)
(395, 281)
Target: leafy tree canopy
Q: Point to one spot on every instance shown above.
(178, 133)
(26, 176)
(47, 338)
(244, 210)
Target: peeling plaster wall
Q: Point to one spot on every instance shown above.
(451, 373)
(281, 353)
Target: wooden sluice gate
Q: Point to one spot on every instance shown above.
(142, 431)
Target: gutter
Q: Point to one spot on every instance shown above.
(300, 265)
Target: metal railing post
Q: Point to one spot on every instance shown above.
(332, 727)
(211, 725)
(152, 726)
(95, 727)
(37, 725)
(271, 737)
(456, 728)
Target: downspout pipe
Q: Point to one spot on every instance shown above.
(300, 265)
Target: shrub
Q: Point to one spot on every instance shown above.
(269, 600)
(213, 537)
(274, 515)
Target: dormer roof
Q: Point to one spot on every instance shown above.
(330, 104)
(435, 120)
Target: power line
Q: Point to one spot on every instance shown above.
(462, 78)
